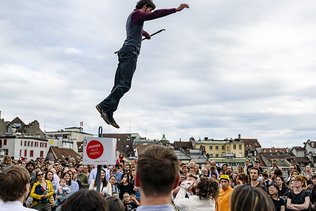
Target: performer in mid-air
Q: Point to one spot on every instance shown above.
(127, 55)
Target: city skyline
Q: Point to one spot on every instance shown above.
(220, 69)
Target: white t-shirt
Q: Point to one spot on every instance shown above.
(13, 205)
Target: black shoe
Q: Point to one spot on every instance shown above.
(112, 121)
(103, 115)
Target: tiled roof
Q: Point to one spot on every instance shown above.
(182, 144)
(62, 153)
(274, 150)
(251, 144)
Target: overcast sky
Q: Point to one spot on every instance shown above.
(221, 68)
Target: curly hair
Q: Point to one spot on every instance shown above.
(207, 188)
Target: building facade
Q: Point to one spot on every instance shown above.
(67, 138)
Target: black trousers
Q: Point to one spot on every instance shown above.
(127, 57)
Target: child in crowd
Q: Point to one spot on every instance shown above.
(62, 192)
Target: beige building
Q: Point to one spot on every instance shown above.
(227, 148)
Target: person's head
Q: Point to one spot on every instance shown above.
(112, 180)
(14, 183)
(279, 181)
(308, 169)
(157, 171)
(102, 175)
(257, 164)
(272, 189)
(126, 197)
(224, 167)
(254, 174)
(295, 173)
(7, 160)
(114, 203)
(49, 176)
(184, 168)
(240, 169)
(225, 181)
(145, 3)
(30, 166)
(274, 162)
(277, 172)
(291, 168)
(246, 197)
(229, 169)
(62, 182)
(299, 181)
(67, 177)
(192, 177)
(207, 188)
(80, 168)
(204, 171)
(213, 163)
(313, 178)
(40, 176)
(85, 200)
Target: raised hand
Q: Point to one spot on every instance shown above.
(182, 6)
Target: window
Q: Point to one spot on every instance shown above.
(36, 144)
(25, 153)
(127, 146)
(28, 143)
(211, 155)
(216, 155)
(31, 153)
(234, 146)
(223, 147)
(41, 154)
(240, 146)
(32, 144)
(45, 145)
(25, 143)
(216, 147)
(211, 147)
(21, 143)
(5, 142)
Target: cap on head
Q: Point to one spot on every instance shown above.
(224, 176)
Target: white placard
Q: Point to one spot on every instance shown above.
(99, 151)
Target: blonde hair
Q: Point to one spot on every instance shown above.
(302, 179)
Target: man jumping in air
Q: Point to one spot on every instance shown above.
(128, 54)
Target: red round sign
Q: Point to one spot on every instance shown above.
(94, 149)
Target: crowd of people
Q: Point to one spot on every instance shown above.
(54, 185)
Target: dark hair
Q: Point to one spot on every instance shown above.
(114, 203)
(13, 181)
(85, 200)
(30, 163)
(255, 168)
(282, 178)
(154, 162)
(47, 174)
(278, 172)
(246, 197)
(207, 188)
(104, 181)
(148, 3)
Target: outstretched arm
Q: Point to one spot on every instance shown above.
(140, 16)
